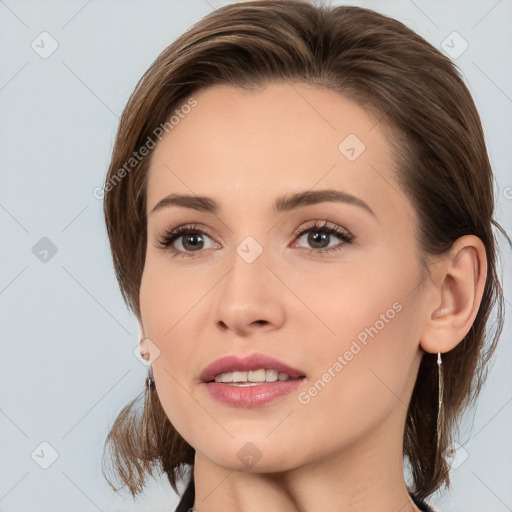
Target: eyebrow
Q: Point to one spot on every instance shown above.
(282, 204)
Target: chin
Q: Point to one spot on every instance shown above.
(258, 456)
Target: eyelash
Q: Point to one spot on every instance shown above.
(170, 236)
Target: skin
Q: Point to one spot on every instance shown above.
(343, 449)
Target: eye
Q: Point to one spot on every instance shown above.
(190, 237)
(320, 234)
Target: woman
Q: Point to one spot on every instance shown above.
(300, 211)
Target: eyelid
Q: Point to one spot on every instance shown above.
(322, 224)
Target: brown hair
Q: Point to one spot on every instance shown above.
(442, 166)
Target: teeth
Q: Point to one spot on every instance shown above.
(261, 375)
(239, 377)
(256, 375)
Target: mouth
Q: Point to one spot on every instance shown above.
(251, 381)
(255, 368)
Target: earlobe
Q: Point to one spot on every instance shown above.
(457, 297)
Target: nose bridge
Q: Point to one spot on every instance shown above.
(247, 278)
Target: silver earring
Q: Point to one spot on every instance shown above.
(150, 381)
(440, 396)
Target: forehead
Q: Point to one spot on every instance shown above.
(239, 145)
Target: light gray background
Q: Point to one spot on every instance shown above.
(67, 363)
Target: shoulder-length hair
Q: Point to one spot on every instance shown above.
(441, 164)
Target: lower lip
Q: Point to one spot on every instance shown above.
(252, 396)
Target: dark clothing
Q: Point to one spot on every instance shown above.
(187, 500)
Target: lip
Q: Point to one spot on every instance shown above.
(249, 396)
(234, 363)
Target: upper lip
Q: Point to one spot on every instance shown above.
(234, 363)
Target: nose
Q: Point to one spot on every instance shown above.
(250, 298)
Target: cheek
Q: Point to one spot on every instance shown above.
(166, 298)
(170, 304)
(366, 317)
(358, 298)
(364, 371)
(359, 385)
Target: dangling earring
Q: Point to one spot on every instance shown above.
(149, 381)
(440, 397)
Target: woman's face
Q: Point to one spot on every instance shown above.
(343, 308)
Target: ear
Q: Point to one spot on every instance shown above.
(143, 344)
(454, 299)
(149, 351)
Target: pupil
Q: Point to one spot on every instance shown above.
(194, 245)
(317, 238)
